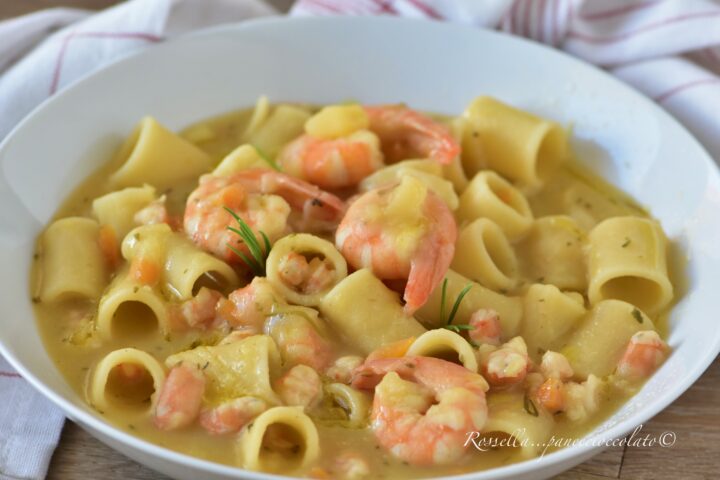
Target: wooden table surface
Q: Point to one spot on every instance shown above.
(694, 417)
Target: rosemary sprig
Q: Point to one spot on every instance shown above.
(267, 159)
(453, 311)
(256, 260)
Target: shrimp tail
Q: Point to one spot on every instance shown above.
(433, 258)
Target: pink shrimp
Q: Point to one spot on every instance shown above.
(404, 231)
(423, 407)
(485, 325)
(232, 415)
(198, 312)
(506, 365)
(157, 212)
(250, 305)
(300, 386)
(405, 133)
(308, 277)
(644, 353)
(299, 341)
(332, 163)
(180, 398)
(263, 198)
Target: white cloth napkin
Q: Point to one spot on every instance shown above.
(670, 50)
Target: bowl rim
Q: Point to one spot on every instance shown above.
(564, 458)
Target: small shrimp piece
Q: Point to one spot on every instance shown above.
(485, 325)
(299, 341)
(551, 395)
(351, 466)
(231, 416)
(583, 399)
(402, 231)
(180, 398)
(156, 212)
(342, 369)
(309, 277)
(423, 407)
(251, 305)
(644, 353)
(300, 386)
(405, 133)
(555, 365)
(333, 163)
(507, 365)
(264, 199)
(198, 312)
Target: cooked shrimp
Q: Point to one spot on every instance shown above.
(263, 199)
(300, 386)
(299, 341)
(405, 133)
(232, 415)
(424, 407)
(551, 395)
(555, 365)
(156, 212)
(198, 312)
(180, 398)
(333, 163)
(404, 232)
(342, 369)
(251, 305)
(485, 325)
(309, 277)
(507, 365)
(644, 353)
(583, 399)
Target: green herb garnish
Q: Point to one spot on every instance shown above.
(627, 242)
(448, 321)
(530, 406)
(637, 315)
(256, 260)
(267, 159)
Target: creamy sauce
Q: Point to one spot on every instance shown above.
(64, 327)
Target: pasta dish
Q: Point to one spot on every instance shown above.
(353, 291)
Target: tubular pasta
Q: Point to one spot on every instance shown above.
(366, 313)
(517, 144)
(549, 316)
(154, 155)
(125, 291)
(310, 247)
(285, 123)
(554, 252)
(508, 308)
(598, 343)
(356, 403)
(489, 195)
(118, 209)
(243, 368)
(81, 275)
(440, 341)
(184, 265)
(627, 261)
(98, 395)
(483, 253)
(509, 418)
(254, 455)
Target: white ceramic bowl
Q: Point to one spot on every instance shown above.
(431, 66)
